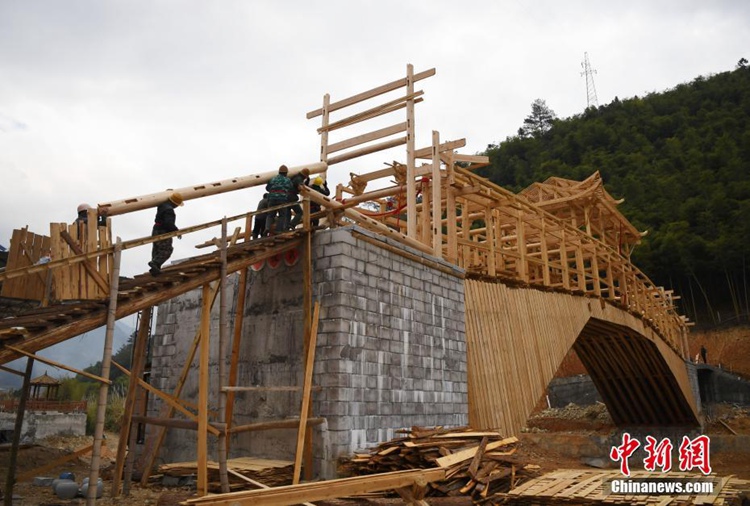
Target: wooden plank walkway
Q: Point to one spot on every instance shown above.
(40, 328)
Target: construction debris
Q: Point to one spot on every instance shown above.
(478, 463)
(273, 473)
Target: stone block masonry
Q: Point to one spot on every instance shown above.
(390, 354)
(391, 349)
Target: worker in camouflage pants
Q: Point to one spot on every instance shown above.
(164, 222)
(279, 188)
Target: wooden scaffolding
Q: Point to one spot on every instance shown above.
(557, 235)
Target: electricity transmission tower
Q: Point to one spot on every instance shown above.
(591, 99)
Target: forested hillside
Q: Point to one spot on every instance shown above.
(681, 161)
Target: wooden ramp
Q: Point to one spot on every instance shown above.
(517, 338)
(37, 329)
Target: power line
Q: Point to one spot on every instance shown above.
(591, 99)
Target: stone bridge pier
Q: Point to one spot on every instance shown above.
(405, 339)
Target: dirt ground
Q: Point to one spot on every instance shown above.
(572, 419)
(595, 419)
(729, 347)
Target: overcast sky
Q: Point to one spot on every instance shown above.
(104, 100)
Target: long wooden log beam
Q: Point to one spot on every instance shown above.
(58, 364)
(323, 490)
(130, 205)
(175, 423)
(276, 424)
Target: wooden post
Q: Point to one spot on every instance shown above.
(522, 268)
(564, 259)
(307, 387)
(595, 273)
(437, 218)
(325, 120)
(545, 255)
(222, 444)
(491, 242)
(239, 314)
(424, 227)
(202, 449)
(450, 215)
(101, 410)
(307, 303)
(13, 457)
(136, 371)
(580, 268)
(153, 449)
(411, 187)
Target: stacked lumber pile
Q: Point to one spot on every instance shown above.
(273, 473)
(592, 487)
(477, 464)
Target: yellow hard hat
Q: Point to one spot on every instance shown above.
(176, 199)
(318, 181)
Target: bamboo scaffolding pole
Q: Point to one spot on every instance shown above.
(309, 324)
(202, 446)
(309, 365)
(126, 443)
(104, 387)
(17, 429)
(223, 443)
(53, 363)
(239, 318)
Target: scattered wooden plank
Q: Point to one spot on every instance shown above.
(319, 491)
(469, 453)
(727, 427)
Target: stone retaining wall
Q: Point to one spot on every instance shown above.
(391, 350)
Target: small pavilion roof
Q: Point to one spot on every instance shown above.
(45, 379)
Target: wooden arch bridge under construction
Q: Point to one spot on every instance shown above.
(545, 270)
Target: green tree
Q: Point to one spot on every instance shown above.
(539, 121)
(681, 161)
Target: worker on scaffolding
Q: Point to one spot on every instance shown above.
(320, 186)
(83, 215)
(259, 221)
(164, 222)
(298, 180)
(278, 188)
